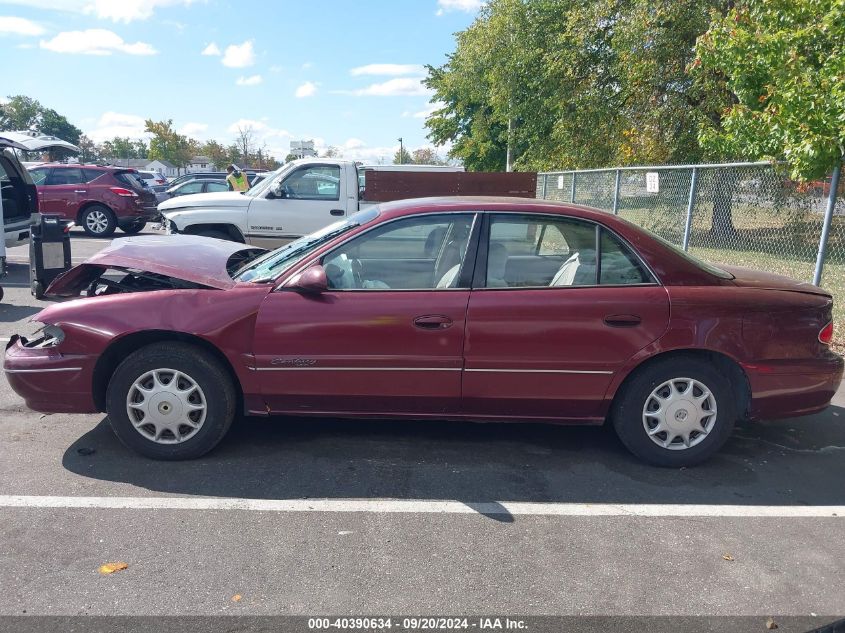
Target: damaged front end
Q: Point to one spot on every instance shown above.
(148, 264)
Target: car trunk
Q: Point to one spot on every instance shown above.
(20, 198)
(749, 278)
(132, 180)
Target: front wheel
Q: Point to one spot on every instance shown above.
(677, 412)
(99, 221)
(170, 401)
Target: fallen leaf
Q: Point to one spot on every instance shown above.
(110, 568)
(237, 597)
(771, 624)
(727, 557)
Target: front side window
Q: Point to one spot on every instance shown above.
(191, 187)
(39, 176)
(318, 182)
(534, 251)
(216, 186)
(418, 253)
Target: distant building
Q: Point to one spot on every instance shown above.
(200, 163)
(163, 167)
(132, 163)
(303, 149)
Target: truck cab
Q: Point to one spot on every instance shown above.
(297, 199)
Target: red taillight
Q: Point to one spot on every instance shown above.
(826, 335)
(125, 193)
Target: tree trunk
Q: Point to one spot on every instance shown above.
(724, 183)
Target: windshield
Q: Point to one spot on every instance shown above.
(265, 184)
(274, 263)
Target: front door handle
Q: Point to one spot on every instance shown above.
(80, 191)
(337, 212)
(623, 320)
(433, 322)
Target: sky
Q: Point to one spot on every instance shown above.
(342, 73)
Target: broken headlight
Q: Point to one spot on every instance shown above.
(44, 337)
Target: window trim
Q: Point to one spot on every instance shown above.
(479, 281)
(465, 275)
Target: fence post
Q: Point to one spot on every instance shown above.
(693, 187)
(572, 193)
(828, 218)
(616, 194)
(545, 184)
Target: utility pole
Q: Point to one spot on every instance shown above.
(401, 151)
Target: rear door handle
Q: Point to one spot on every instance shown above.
(80, 191)
(623, 320)
(433, 322)
(337, 212)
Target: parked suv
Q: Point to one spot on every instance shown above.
(99, 199)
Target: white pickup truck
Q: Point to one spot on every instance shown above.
(308, 194)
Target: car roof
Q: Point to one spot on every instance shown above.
(85, 166)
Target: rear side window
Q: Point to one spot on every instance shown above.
(217, 186)
(92, 174)
(192, 187)
(130, 180)
(619, 266)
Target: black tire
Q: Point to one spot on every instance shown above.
(220, 235)
(628, 412)
(135, 227)
(95, 216)
(203, 369)
(37, 289)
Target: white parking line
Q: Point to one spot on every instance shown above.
(402, 506)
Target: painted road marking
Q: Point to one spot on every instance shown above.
(403, 506)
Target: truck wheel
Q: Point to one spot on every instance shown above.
(98, 221)
(37, 290)
(220, 235)
(676, 412)
(170, 401)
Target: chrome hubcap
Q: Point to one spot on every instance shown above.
(166, 406)
(679, 414)
(97, 221)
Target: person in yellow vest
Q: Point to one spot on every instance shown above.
(237, 179)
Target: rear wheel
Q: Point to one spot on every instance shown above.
(677, 412)
(170, 401)
(98, 221)
(134, 227)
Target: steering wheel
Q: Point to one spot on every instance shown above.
(289, 193)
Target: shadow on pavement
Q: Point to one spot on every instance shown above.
(788, 462)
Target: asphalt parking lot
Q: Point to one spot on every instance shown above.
(332, 517)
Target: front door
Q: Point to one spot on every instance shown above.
(308, 199)
(387, 337)
(546, 327)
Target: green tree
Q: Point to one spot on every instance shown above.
(402, 157)
(426, 156)
(784, 61)
(167, 144)
(20, 113)
(216, 152)
(90, 152)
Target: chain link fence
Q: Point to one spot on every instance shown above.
(744, 214)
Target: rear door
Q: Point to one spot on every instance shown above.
(312, 197)
(547, 325)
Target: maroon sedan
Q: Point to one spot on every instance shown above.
(464, 309)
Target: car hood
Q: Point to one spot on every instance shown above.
(749, 278)
(220, 199)
(199, 260)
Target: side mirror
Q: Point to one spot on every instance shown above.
(310, 281)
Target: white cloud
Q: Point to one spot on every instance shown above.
(193, 129)
(252, 80)
(20, 26)
(467, 6)
(113, 124)
(307, 65)
(212, 50)
(95, 42)
(308, 89)
(127, 10)
(388, 69)
(115, 10)
(399, 87)
(354, 143)
(239, 55)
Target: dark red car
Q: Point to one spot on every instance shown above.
(99, 199)
(467, 308)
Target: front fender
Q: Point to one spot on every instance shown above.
(181, 219)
